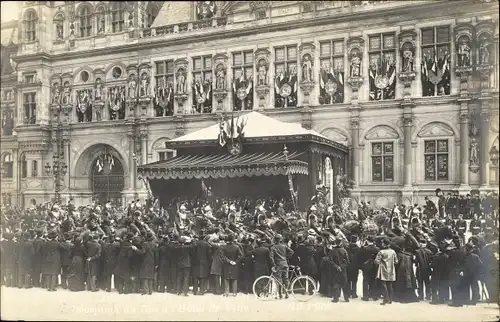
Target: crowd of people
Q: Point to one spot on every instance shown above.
(222, 245)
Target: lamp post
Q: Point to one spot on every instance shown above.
(58, 170)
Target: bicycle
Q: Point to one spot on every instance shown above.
(302, 287)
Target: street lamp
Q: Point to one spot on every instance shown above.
(57, 170)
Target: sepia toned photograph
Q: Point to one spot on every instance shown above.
(249, 160)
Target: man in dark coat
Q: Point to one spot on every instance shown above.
(122, 268)
(472, 270)
(109, 257)
(66, 259)
(245, 276)
(9, 259)
(149, 258)
(305, 255)
(38, 242)
(423, 258)
(456, 258)
(94, 251)
(172, 253)
(232, 254)
(51, 261)
(366, 259)
(338, 261)
(439, 276)
(280, 253)
(25, 268)
(201, 265)
(163, 264)
(353, 251)
(184, 263)
(261, 260)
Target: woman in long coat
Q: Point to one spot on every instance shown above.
(386, 260)
(76, 277)
(406, 283)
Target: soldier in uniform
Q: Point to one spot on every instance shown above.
(475, 225)
(461, 228)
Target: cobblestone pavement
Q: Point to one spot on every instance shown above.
(38, 304)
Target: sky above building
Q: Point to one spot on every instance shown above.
(9, 10)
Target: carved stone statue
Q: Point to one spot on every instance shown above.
(59, 30)
(56, 95)
(67, 94)
(262, 73)
(132, 86)
(307, 69)
(463, 52)
(220, 78)
(355, 65)
(181, 81)
(101, 24)
(474, 151)
(484, 51)
(144, 85)
(99, 92)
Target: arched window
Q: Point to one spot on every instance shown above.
(329, 179)
(85, 22)
(30, 25)
(24, 167)
(34, 168)
(7, 166)
(117, 16)
(152, 12)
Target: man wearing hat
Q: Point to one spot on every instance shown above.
(184, 263)
(337, 262)
(66, 259)
(25, 264)
(353, 251)
(38, 243)
(201, 265)
(51, 260)
(231, 254)
(386, 260)
(148, 260)
(122, 269)
(280, 253)
(367, 256)
(163, 267)
(109, 257)
(9, 259)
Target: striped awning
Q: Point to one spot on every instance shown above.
(225, 165)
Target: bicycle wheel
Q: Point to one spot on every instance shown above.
(303, 288)
(265, 288)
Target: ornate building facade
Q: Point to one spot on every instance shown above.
(91, 89)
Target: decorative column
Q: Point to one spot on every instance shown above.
(354, 124)
(16, 197)
(66, 153)
(484, 146)
(464, 147)
(131, 162)
(407, 125)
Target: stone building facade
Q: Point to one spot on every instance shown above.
(98, 87)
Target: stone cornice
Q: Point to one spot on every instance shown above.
(186, 38)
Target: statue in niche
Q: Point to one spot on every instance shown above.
(262, 73)
(355, 64)
(101, 24)
(307, 68)
(67, 94)
(463, 52)
(220, 82)
(484, 50)
(56, 94)
(407, 57)
(99, 91)
(144, 85)
(181, 81)
(59, 29)
(474, 146)
(132, 86)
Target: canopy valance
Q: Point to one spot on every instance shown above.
(225, 166)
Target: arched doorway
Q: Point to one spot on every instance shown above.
(107, 179)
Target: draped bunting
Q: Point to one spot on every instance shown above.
(224, 166)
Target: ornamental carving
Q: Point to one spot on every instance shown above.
(145, 81)
(132, 82)
(484, 35)
(205, 9)
(464, 35)
(67, 86)
(355, 51)
(474, 164)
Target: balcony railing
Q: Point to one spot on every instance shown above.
(184, 27)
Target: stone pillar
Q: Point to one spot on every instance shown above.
(15, 177)
(484, 157)
(464, 148)
(354, 123)
(144, 146)
(67, 159)
(407, 176)
(131, 161)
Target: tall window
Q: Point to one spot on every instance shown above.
(436, 61)
(382, 161)
(382, 52)
(85, 22)
(34, 168)
(436, 155)
(331, 81)
(24, 167)
(164, 103)
(117, 16)
(286, 76)
(152, 12)
(202, 84)
(30, 26)
(7, 166)
(29, 103)
(243, 80)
